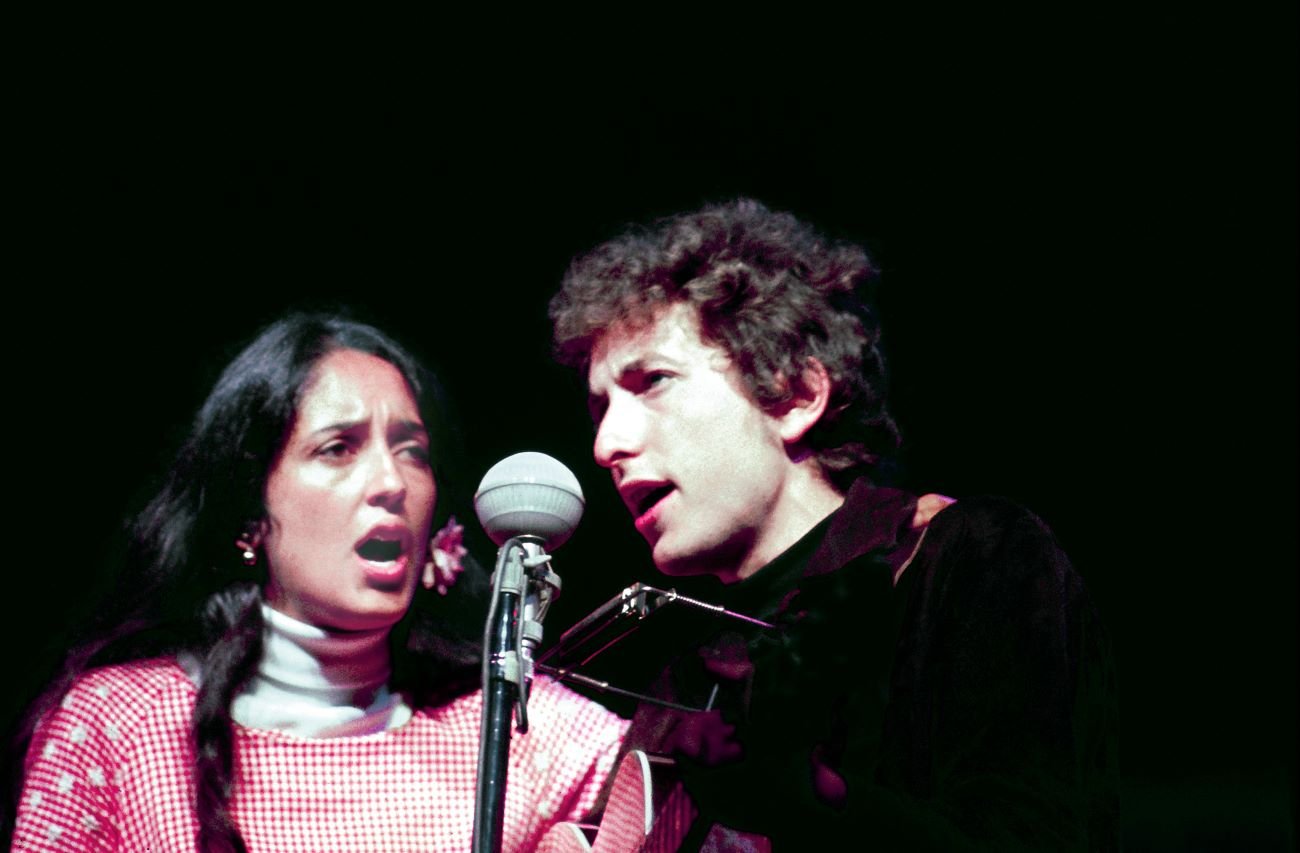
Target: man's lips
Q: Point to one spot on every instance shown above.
(644, 499)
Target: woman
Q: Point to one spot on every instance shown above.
(270, 685)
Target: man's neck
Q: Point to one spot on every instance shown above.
(807, 499)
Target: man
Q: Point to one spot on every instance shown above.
(938, 678)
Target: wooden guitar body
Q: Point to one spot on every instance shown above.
(647, 811)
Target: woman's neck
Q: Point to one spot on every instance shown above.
(317, 683)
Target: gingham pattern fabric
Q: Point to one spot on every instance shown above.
(110, 770)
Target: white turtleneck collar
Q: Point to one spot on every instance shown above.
(317, 683)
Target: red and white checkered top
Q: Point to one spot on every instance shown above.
(111, 770)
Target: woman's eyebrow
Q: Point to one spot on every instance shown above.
(408, 428)
(338, 426)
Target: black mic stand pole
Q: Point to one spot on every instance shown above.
(522, 587)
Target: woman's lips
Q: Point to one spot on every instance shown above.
(385, 571)
(385, 553)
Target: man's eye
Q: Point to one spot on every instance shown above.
(655, 378)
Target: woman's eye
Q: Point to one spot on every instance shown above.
(416, 451)
(335, 449)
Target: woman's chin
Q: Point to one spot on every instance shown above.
(371, 610)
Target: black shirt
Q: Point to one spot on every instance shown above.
(970, 705)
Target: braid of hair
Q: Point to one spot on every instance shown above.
(234, 618)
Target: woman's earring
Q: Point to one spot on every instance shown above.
(247, 544)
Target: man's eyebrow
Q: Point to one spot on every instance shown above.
(596, 399)
(636, 365)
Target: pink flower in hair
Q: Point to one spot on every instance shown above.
(447, 548)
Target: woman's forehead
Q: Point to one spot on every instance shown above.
(352, 385)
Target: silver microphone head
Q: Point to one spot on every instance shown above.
(529, 494)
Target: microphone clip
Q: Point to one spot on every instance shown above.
(523, 587)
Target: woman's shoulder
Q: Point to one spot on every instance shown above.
(572, 710)
(129, 683)
(109, 702)
(112, 719)
(112, 724)
(572, 736)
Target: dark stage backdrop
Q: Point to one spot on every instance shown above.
(1088, 245)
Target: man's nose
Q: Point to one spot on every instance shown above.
(621, 434)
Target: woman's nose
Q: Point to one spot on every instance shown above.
(386, 486)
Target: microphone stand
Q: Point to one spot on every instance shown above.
(522, 588)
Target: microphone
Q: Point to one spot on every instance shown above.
(535, 499)
(527, 503)
(529, 494)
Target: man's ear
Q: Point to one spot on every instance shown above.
(811, 396)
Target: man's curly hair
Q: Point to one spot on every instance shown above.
(771, 292)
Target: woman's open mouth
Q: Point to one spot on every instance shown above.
(384, 554)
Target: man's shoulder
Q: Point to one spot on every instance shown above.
(988, 523)
(994, 549)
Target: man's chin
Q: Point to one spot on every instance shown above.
(675, 564)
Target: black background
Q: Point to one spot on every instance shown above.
(1086, 226)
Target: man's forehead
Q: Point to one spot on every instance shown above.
(672, 329)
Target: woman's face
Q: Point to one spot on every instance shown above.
(349, 498)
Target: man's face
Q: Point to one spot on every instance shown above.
(702, 469)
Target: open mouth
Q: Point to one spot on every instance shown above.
(650, 498)
(379, 550)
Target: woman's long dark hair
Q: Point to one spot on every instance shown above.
(189, 591)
